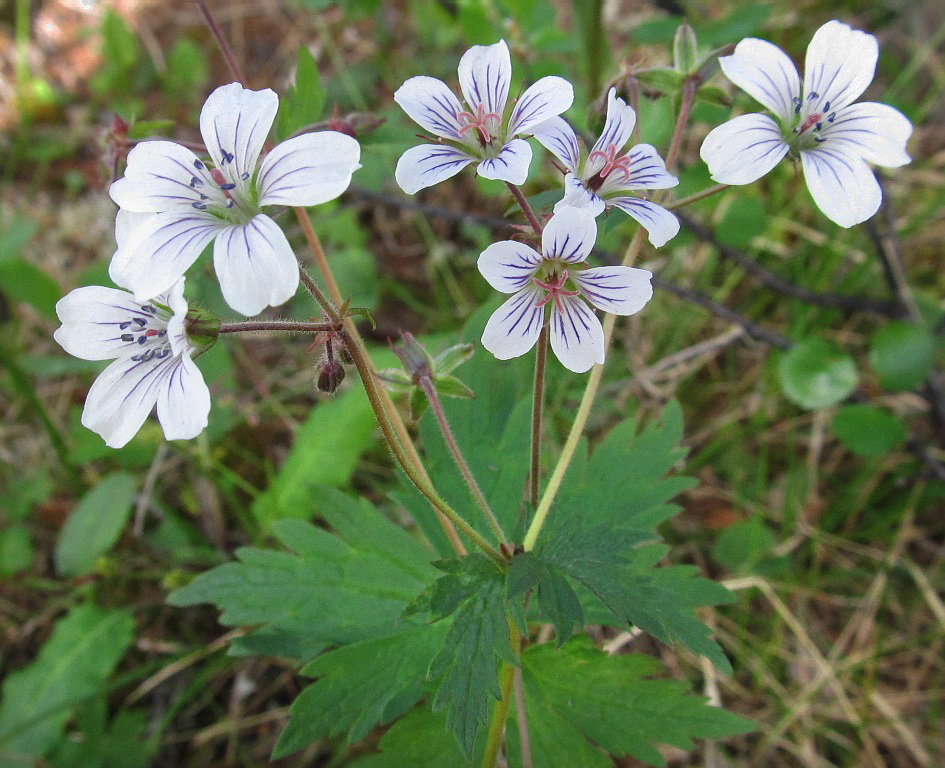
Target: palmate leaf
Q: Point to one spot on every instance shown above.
(333, 588)
(580, 701)
(557, 600)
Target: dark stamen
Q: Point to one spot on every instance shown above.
(127, 337)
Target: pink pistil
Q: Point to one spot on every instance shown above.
(612, 162)
(554, 287)
(479, 122)
(811, 120)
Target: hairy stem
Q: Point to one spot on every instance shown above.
(430, 391)
(520, 716)
(690, 86)
(538, 396)
(225, 49)
(497, 727)
(526, 207)
(286, 326)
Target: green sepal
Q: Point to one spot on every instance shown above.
(659, 81)
(685, 49)
(452, 387)
(452, 357)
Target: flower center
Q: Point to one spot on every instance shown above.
(482, 123)
(610, 161)
(554, 288)
(812, 118)
(149, 332)
(224, 199)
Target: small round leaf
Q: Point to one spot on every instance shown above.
(868, 431)
(902, 355)
(816, 374)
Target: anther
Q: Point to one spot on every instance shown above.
(127, 337)
(198, 165)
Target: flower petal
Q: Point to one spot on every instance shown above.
(511, 164)
(161, 176)
(765, 73)
(569, 235)
(842, 184)
(576, 195)
(255, 266)
(876, 132)
(646, 171)
(620, 121)
(744, 149)
(514, 327)
(234, 123)
(660, 225)
(156, 253)
(183, 403)
(431, 105)
(426, 165)
(123, 395)
(485, 73)
(618, 290)
(309, 169)
(577, 338)
(508, 266)
(840, 63)
(559, 138)
(544, 99)
(91, 320)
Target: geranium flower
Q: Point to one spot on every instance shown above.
(478, 132)
(558, 278)
(605, 176)
(818, 123)
(152, 344)
(173, 204)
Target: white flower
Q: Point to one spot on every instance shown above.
(477, 132)
(558, 278)
(173, 204)
(152, 364)
(607, 174)
(818, 122)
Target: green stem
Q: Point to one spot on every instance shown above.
(690, 86)
(525, 206)
(538, 395)
(225, 49)
(497, 727)
(430, 391)
(684, 201)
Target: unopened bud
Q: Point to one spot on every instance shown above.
(118, 128)
(685, 49)
(202, 327)
(330, 375)
(416, 361)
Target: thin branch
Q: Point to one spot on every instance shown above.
(225, 49)
(284, 326)
(538, 396)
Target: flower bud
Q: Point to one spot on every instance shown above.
(685, 49)
(330, 374)
(202, 327)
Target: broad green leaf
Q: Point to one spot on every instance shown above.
(578, 694)
(360, 686)
(557, 600)
(16, 549)
(26, 282)
(902, 355)
(867, 430)
(304, 101)
(95, 524)
(816, 373)
(419, 739)
(96, 743)
(73, 664)
(743, 544)
(326, 451)
(333, 588)
(745, 219)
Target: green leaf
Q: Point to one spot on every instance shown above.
(743, 544)
(73, 664)
(587, 700)
(326, 451)
(466, 670)
(745, 219)
(16, 549)
(868, 431)
(95, 524)
(360, 686)
(334, 588)
(816, 373)
(902, 355)
(557, 601)
(304, 101)
(419, 739)
(26, 282)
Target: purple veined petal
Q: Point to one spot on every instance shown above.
(123, 395)
(765, 73)
(576, 195)
(176, 326)
(183, 403)
(618, 290)
(508, 266)
(234, 123)
(646, 170)
(840, 63)
(660, 225)
(577, 338)
(157, 253)
(127, 225)
(743, 149)
(163, 176)
(309, 169)
(569, 235)
(514, 327)
(431, 105)
(255, 266)
(876, 132)
(842, 184)
(485, 74)
(620, 121)
(544, 99)
(429, 164)
(95, 318)
(511, 164)
(559, 138)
